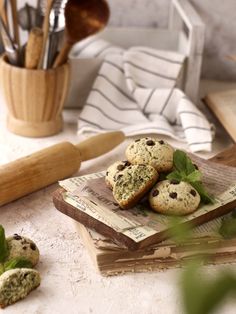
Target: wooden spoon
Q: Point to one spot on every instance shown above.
(83, 18)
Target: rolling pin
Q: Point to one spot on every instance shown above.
(47, 166)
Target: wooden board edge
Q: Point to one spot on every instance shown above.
(89, 221)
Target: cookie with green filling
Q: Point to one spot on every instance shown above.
(16, 284)
(20, 246)
(112, 172)
(133, 183)
(151, 151)
(171, 197)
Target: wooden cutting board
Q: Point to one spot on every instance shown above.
(227, 157)
(223, 106)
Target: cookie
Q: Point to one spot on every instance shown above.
(22, 247)
(133, 183)
(151, 151)
(171, 197)
(16, 284)
(114, 170)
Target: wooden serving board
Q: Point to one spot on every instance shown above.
(226, 158)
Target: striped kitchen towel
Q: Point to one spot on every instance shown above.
(136, 91)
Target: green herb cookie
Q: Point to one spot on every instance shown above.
(133, 183)
(16, 284)
(19, 246)
(151, 151)
(172, 197)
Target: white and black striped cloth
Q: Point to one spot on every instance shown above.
(135, 91)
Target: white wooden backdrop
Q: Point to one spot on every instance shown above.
(218, 15)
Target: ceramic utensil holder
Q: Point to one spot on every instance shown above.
(35, 98)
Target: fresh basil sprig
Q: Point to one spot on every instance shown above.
(3, 245)
(185, 170)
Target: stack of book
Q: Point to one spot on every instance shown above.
(138, 239)
(112, 258)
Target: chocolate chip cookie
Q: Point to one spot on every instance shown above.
(114, 170)
(151, 151)
(172, 197)
(131, 185)
(20, 246)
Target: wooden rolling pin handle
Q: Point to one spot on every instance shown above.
(34, 48)
(38, 170)
(99, 144)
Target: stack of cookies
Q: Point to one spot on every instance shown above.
(147, 160)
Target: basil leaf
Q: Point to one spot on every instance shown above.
(180, 161)
(194, 176)
(174, 175)
(3, 245)
(189, 166)
(205, 197)
(18, 262)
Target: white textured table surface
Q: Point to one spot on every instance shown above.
(70, 283)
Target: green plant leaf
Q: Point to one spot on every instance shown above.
(189, 166)
(210, 292)
(216, 291)
(174, 175)
(18, 262)
(180, 161)
(185, 170)
(3, 245)
(205, 197)
(194, 176)
(191, 286)
(1, 269)
(228, 228)
(178, 231)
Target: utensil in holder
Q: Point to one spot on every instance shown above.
(35, 98)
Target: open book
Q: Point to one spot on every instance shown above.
(88, 200)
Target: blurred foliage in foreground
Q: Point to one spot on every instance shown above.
(201, 293)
